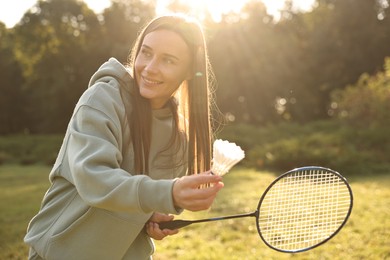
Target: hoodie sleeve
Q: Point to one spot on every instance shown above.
(94, 156)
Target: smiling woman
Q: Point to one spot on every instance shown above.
(137, 149)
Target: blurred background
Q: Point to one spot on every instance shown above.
(297, 64)
(297, 83)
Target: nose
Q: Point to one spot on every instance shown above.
(151, 66)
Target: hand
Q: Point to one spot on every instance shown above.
(153, 229)
(187, 193)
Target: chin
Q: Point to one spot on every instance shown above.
(146, 93)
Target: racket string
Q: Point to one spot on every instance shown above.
(303, 209)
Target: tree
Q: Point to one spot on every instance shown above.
(60, 43)
(57, 43)
(121, 23)
(341, 40)
(285, 70)
(243, 67)
(366, 103)
(11, 98)
(267, 70)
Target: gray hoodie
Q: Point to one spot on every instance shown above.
(96, 208)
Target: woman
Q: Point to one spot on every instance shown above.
(130, 157)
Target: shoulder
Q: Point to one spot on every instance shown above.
(106, 97)
(110, 84)
(102, 95)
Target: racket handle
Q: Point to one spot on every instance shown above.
(174, 224)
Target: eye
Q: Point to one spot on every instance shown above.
(146, 53)
(169, 61)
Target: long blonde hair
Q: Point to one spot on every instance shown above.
(191, 105)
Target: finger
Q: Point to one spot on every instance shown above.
(199, 203)
(149, 228)
(205, 193)
(203, 204)
(170, 232)
(199, 199)
(206, 173)
(160, 217)
(186, 189)
(197, 180)
(155, 232)
(166, 218)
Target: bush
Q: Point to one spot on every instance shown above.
(282, 147)
(367, 103)
(29, 149)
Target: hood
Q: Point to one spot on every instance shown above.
(111, 69)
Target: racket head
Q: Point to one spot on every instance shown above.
(303, 208)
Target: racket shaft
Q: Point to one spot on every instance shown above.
(176, 224)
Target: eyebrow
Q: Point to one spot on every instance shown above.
(165, 54)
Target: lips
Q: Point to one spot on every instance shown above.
(150, 81)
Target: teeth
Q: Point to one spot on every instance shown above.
(149, 81)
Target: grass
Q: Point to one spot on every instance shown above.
(21, 191)
(365, 236)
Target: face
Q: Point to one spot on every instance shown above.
(163, 63)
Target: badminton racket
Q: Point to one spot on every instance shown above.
(300, 210)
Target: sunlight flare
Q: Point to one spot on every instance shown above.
(217, 8)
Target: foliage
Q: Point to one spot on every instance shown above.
(367, 103)
(121, 22)
(287, 70)
(57, 44)
(22, 188)
(11, 98)
(246, 76)
(267, 70)
(29, 149)
(283, 146)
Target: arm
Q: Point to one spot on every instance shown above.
(95, 157)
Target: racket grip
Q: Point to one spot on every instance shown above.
(174, 224)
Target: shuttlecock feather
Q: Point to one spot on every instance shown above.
(225, 156)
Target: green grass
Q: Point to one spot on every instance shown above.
(21, 190)
(365, 236)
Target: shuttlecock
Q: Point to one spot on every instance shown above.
(225, 156)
